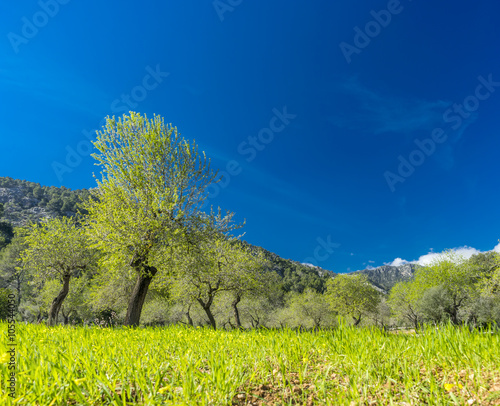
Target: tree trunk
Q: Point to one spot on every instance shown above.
(65, 316)
(139, 295)
(190, 320)
(18, 288)
(236, 311)
(58, 300)
(208, 312)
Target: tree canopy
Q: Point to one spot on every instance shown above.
(153, 185)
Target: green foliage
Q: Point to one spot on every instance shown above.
(57, 250)
(4, 301)
(446, 286)
(58, 247)
(12, 271)
(451, 289)
(310, 309)
(6, 229)
(152, 182)
(353, 296)
(296, 277)
(6, 233)
(405, 303)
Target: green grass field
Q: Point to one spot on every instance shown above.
(183, 366)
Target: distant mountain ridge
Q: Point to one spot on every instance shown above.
(386, 276)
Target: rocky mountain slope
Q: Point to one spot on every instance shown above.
(386, 276)
(28, 201)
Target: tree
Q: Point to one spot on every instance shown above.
(58, 248)
(311, 307)
(4, 301)
(249, 276)
(208, 269)
(404, 303)
(487, 266)
(352, 295)
(38, 192)
(6, 229)
(153, 184)
(12, 270)
(454, 283)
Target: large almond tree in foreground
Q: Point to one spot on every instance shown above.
(152, 187)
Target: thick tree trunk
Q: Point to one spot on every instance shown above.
(139, 295)
(58, 300)
(236, 311)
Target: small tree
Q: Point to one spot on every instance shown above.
(58, 248)
(205, 271)
(12, 270)
(249, 276)
(454, 284)
(404, 303)
(6, 229)
(311, 307)
(352, 295)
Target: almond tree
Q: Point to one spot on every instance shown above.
(58, 248)
(352, 295)
(152, 187)
(206, 270)
(405, 303)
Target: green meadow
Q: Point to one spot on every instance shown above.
(180, 365)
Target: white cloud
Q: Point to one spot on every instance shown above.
(397, 262)
(308, 264)
(461, 252)
(427, 259)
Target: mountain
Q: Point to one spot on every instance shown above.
(386, 276)
(27, 201)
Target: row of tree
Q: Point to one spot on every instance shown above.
(452, 289)
(143, 246)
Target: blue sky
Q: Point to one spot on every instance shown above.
(350, 134)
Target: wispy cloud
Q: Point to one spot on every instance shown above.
(375, 112)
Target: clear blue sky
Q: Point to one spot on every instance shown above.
(318, 108)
